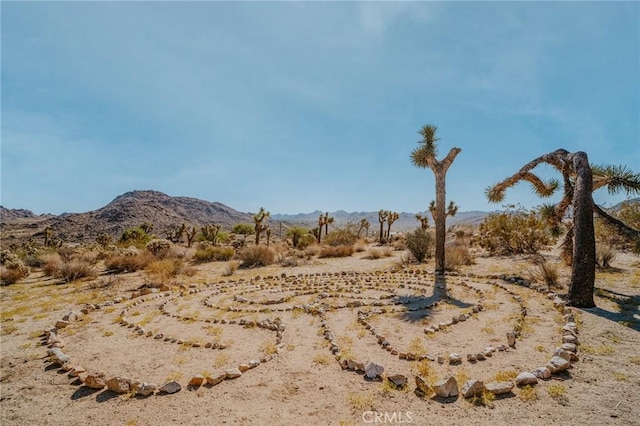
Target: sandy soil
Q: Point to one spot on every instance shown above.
(303, 383)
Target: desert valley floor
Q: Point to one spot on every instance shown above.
(282, 325)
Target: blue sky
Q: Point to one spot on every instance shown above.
(301, 106)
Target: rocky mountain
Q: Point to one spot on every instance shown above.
(125, 211)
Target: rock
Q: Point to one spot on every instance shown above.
(171, 387)
(373, 371)
(562, 354)
(499, 388)
(569, 338)
(119, 385)
(480, 356)
(422, 385)
(62, 324)
(569, 347)
(233, 373)
(95, 381)
(557, 364)
(58, 356)
(542, 373)
(446, 387)
(70, 317)
(360, 367)
(76, 371)
(471, 357)
(398, 380)
(472, 388)
(526, 378)
(455, 358)
(511, 339)
(216, 378)
(351, 364)
(244, 367)
(440, 359)
(254, 363)
(144, 388)
(197, 380)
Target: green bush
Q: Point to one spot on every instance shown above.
(344, 236)
(137, 236)
(518, 232)
(207, 253)
(259, 255)
(420, 244)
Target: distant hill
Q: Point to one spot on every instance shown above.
(406, 222)
(125, 211)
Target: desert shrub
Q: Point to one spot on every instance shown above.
(104, 240)
(379, 252)
(165, 269)
(75, 269)
(7, 256)
(343, 236)
(257, 256)
(545, 271)
(33, 260)
(160, 248)
(336, 251)
(517, 232)
(420, 244)
(456, 255)
(230, 268)
(312, 250)
(128, 262)
(11, 275)
(208, 253)
(605, 254)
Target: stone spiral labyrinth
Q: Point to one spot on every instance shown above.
(380, 324)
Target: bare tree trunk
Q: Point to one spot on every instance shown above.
(440, 220)
(583, 273)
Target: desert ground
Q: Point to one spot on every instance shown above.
(286, 318)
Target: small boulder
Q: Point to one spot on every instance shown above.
(196, 381)
(95, 381)
(557, 364)
(422, 385)
(542, 373)
(455, 358)
(244, 367)
(373, 370)
(499, 388)
(233, 373)
(446, 387)
(526, 378)
(511, 339)
(398, 381)
(62, 324)
(472, 388)
(144, 388)
(171, 387)
(216, 378)
(119, 385)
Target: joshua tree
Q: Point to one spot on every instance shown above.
(268, 232)
(323, 221)
(452, 209)
(424, 221)
(327, 220)
(579, 183)
(425, 157)
(259, 226)
(147, 227)
(210, 232)
(391, 217)
(382, 218)
(364, 224)
(190, 233)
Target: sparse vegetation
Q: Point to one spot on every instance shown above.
(257, 256)
(336, 251)
(420, 244)
(514, 232)
(208, 253)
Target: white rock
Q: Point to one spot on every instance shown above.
(498, 388)
(446, 387)
(233, 373)
(557, 364)
(472, 388)
(542, 373)
(145, 388)
(455, 358)
(526, 378)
